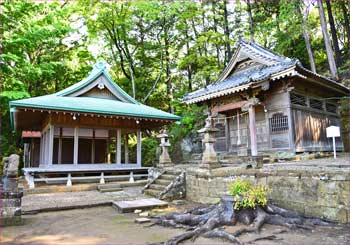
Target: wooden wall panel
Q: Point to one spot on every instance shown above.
(310, 131)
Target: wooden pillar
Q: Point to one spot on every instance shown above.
(227, 133)
(118, 149)
(31, 155)
(44, 149)
(93, 150)
(50, 144)
(126, 149)
(290, 125)
(138, 151)
(47, 149)
(252, 129)
(108, 151)
(59, 157)
(76, 145)
(41, 148)
(238, 130)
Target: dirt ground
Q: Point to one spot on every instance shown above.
(103, 225)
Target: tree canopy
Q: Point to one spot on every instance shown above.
(157, 50)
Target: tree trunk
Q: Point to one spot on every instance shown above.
(228, 52)
(251, 25)
(334, 34)
(213, 5)
(346, 22)
(167, 68)
(331, 61)
(189, 66)
(304, 15)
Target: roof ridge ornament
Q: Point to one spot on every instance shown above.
(100, 65)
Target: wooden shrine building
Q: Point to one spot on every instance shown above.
(91, 126)
(263, 102)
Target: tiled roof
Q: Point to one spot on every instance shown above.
(268, 65)
(244, 77)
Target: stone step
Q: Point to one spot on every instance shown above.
(171, 171)
(163, 182)
(167, 176)
(142, 204)
(150, 192)
(194, 161)
(156, 187)
(231, 161)
(110, 189)
(196, 156)
(108, 186)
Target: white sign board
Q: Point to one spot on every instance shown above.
(333, 131)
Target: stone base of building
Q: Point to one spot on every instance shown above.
(11, 201)
(318, 193)
(11, 221)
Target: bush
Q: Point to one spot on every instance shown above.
(246, 195)
(149, 148)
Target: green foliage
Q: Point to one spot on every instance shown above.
(41, 52)
(162, 49)
(149, 147)
(246, 195)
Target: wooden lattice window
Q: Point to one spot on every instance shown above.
(297, 99)
(278, 123)
(221, 132)
(331, 107)
(316, 104)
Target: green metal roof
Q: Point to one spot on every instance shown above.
(62, 101)
(98, 70)
(92, 105)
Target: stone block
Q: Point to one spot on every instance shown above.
(329, 213)
(11, 221)
(11, 202)
(291, 205)
(328, 187)
(144, 214)
(341, 177)
(142, 220)
(328, 200)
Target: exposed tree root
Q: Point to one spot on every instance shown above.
(207, 221)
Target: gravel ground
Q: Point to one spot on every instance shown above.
(103, 225)
(66, 200)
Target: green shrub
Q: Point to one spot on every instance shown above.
(246, 195)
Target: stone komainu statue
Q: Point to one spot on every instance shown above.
(11, 163)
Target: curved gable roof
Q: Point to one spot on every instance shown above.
(268, 65)
(73, 99)
(98, 70)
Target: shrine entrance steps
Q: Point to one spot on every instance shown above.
(161, 183)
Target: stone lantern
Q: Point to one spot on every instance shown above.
(164, 158)
(10, 193)
(209, 158)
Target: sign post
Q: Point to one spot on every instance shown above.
(332, 132)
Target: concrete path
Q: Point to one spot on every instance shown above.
(69, 200)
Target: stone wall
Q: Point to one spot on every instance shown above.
(313, 192)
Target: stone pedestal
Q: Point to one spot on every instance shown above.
(164, 158)
(10, 194)
(209, 158)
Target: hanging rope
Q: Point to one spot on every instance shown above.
(219, 119)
